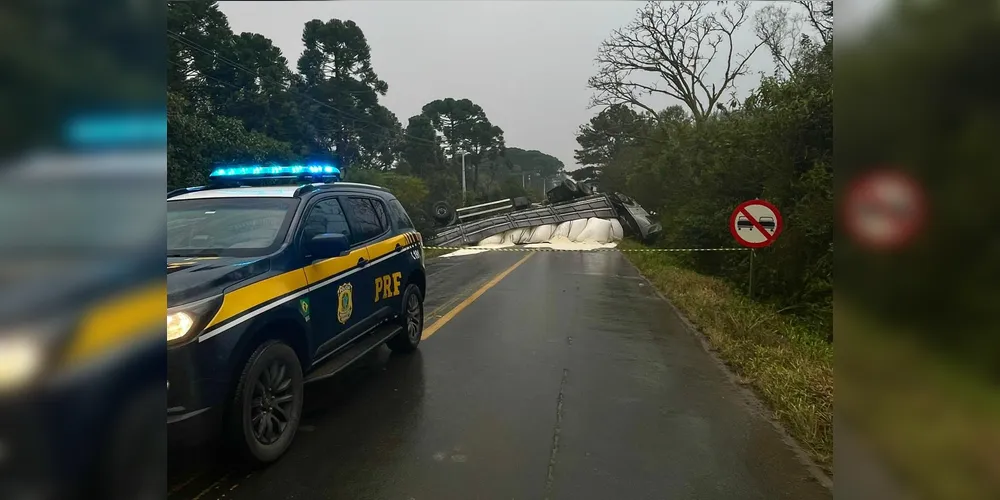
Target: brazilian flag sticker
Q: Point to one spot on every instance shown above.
(304, 307)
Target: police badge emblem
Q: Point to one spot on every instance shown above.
(345, 302)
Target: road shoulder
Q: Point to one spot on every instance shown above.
(788, 382)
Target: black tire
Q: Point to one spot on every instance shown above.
(443, 213)
(267, 404)
(412, 319)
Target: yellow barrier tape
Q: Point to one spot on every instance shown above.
(515, 249)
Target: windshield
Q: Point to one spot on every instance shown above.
(79, 216)
(235, 227)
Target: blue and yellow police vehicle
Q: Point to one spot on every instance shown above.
(278, 276)
(82, 354)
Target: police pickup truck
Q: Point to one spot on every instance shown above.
(279, 276)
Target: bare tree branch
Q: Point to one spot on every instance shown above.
(820, 15)
(667, 51)
(780, 30)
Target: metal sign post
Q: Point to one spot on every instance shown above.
(762, 224)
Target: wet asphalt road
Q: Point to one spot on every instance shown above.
(569, 379)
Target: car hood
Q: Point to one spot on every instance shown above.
(194, 278)
(48, 286)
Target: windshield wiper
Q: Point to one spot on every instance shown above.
(193, 254)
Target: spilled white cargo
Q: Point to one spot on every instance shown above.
(580, 234)
(593, 231)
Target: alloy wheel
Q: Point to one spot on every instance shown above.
(271, 403)
(413, 318)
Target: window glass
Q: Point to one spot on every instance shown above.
(400, 216)
(326, 216)
(383, 218)
(368, 225)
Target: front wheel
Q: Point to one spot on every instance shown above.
(267, 407)
(412, 318)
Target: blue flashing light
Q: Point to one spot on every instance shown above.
(265, 171)
(125, 130)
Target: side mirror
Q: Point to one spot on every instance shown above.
(327, 245)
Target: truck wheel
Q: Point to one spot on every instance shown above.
(443, 213)
(267, 404)
(412, 321)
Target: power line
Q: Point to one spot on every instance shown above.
(240, 67)
(237, 87)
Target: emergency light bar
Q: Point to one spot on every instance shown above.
(116, 130)
(305, 173)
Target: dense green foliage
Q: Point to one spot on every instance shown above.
(921, 98)
(233, 98)
(68, 59)
(693, 167)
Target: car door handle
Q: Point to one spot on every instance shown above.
(398, 246)
(362, 262)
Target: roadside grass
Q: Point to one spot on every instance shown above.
(783, 359)
(430, 253)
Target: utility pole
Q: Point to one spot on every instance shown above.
(463, 177)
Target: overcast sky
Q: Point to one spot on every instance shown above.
(525, 63)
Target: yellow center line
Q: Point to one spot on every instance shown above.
(443, 308)
(430, 330)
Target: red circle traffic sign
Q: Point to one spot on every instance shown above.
(755, 223)
(884, 209)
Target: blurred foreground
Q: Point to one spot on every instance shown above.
(917, 355)
(82, 294)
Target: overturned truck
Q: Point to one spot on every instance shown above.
(565, 203)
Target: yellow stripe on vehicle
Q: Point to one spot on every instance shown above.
(330, 267)
(242, 299)
(387, 246)
(118, 321)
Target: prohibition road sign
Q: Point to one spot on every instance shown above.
(755, 223)
(884, 209)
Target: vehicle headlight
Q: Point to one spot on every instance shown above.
(185, 321)
(178, 325)
(21, 359)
